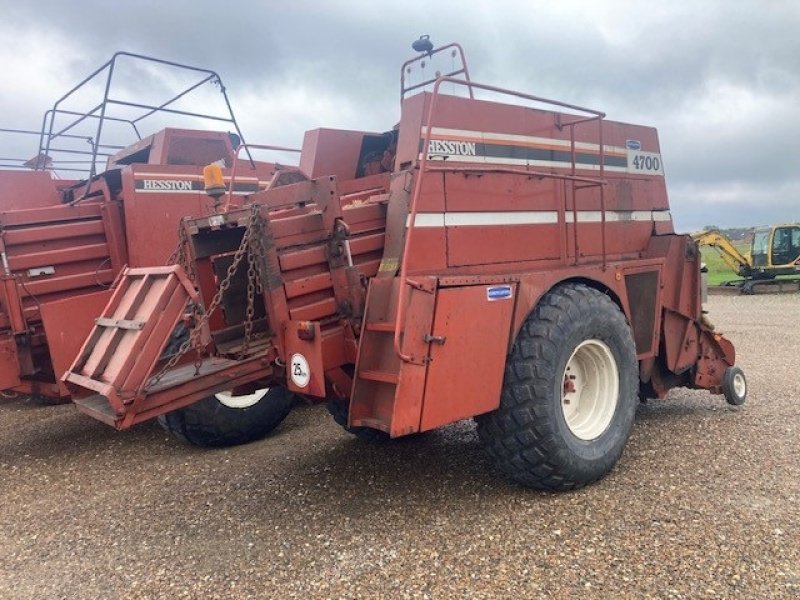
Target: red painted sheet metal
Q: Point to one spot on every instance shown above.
(469, 345)
(117, 360)
(67, 323)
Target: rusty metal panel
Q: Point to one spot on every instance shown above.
(465, 374)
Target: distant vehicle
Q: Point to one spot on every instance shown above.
(774, 252)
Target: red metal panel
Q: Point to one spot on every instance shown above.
(50, 214)
(474, 348)
(151, 219)
(9, 365)
(331, 152)
(36, 234)
(473, 245)
(66, 255)
(117, 361)
(27, 189)
(304, 364)
(67, 323)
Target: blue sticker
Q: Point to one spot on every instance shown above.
(498, 292)
(633, 144)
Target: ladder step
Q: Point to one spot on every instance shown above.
(381, 326)
(382, 376)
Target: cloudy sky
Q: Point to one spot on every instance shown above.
(719, 79)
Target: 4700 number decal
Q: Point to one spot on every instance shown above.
(645, 163)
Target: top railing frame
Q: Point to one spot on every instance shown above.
(457, 50)
(99, 112)
(423, 167)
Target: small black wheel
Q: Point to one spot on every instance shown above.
(569, 394)
(339, 411)
(224, 419)
(734, 386)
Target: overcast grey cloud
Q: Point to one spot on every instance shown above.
(720, 80)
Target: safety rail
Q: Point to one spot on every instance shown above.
(407, 66)
(597, 116)
(40, 162)
(49, 132)
(248, 147)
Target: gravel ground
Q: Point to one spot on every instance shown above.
(704, 504)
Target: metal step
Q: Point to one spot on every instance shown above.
(383, 326)
(381, 376)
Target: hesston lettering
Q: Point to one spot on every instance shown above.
(174, 185)
(451, 147)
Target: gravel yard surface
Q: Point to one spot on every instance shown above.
(705, 503)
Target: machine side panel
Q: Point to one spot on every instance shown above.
(67, 324)
(474, 347)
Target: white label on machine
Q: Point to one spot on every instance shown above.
(299, 371)
(499, 292)
(645, 163)
(38, 271)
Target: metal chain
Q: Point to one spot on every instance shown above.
(255, 259)
(251, 294)
(196, 331)
(180, 255)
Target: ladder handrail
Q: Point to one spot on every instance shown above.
(423, 168)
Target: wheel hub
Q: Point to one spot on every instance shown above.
(590, 389)
(228, 399)
(739, 385)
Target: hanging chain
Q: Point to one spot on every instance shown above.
(201, 317)
(251, 295)
(180, 256)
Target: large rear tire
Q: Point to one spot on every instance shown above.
(223, 419)
(569, 395)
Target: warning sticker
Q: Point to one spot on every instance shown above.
(499, 292)
(299, 371)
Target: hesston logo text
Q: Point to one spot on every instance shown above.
(175, 185)
(452, 148)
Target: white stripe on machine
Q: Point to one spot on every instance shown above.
(522, 139)
(537, 217)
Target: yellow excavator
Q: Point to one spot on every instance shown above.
(775, 251)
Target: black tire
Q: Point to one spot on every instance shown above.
(209, 423)
(339, 411)
(734, 386)
(528, 436)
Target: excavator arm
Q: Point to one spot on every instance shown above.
(736, 261)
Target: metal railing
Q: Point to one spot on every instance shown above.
(40, 161)
(50, 131)
(578, 182)
(407, 67)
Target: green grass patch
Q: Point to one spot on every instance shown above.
(718, 271)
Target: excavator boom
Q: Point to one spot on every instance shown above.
(736, 261)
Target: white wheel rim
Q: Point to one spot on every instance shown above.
(590, 389)
(227, 398)
(739, 385)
